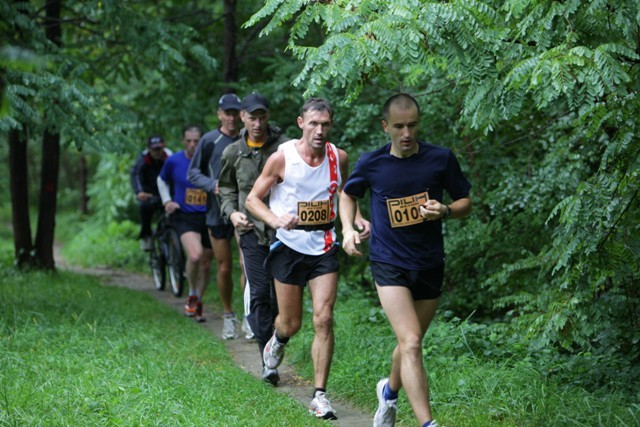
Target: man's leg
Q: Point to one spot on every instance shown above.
(193, 248)
(323, 296)
(147, 209)
(263, 305)
(409, 320)
(222, 253)
(289, 318)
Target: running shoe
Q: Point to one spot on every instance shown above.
(199, 317)
(190, 306)
(386, 413)
(229, 327)
(246, 328)
(321, 407)
(273, 353)
(270, 375)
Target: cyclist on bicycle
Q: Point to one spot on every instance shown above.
(143, 180)
(188, 209)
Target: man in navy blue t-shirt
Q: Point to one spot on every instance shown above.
(407, 180)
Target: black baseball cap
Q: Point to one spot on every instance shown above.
(253, 102)
(229, 101)
(155, 142)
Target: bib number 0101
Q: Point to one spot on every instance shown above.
(405, 211)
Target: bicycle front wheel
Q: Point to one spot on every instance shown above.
(175, 262)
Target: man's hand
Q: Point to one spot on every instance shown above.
(240, 221)
(286, 221)
(143, 197)
(365, 228)
(432, 210)
(171, 206)
(350, 242)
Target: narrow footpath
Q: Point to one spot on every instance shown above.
(243, 352)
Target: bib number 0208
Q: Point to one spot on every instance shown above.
(314, 213)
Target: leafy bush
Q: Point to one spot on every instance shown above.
(115, 245)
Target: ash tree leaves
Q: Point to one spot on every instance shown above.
(560, 79)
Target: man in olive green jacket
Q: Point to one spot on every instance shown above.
(242, 163)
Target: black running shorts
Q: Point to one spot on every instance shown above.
(293, 268)
(194, 222)
(423, 284)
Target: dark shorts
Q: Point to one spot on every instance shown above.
(423, 284)
(194, 222)
(223, 231)
(293, 268)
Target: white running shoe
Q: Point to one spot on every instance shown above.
(321, 407)
(273, 353)
(229, 327)
(270, 375)
(386, 413)
(246, 328)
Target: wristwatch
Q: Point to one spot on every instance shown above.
(447, 214)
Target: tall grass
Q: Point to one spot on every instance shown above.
(75, 353)
(475, 379)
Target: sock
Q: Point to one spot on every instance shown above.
(192, 293)
(389, 394)
(318, 390)
(281, 340)
(229, 314)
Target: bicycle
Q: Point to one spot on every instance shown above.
(166, 254)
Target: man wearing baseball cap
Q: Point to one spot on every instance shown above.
(203, 172)
(242, 163)
(143, 180)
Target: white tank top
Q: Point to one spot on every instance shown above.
(301, 185)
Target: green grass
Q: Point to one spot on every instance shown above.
(469, 385)
(77, 353)
(87, 244)
(478, 378)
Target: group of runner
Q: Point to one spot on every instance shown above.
(281, 197)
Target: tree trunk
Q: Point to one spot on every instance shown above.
(50, 161)
(82, 179)
(48, 200)
(230, 63)
(19, 189)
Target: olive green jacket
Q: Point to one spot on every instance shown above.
(241, 166)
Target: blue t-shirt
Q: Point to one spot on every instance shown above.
(190, 198)
(432, 169)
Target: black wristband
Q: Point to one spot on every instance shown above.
(447, 214)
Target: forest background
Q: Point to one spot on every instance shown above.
(538, 99)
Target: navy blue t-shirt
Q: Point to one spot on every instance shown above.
(433, 170)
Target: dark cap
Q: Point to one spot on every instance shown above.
(155, 142)
(253, 102)
(230, 101)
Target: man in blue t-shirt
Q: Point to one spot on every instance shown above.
(407, 180)
(187, 206)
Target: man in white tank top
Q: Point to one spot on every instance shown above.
(303, 179)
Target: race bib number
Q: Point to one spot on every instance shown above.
(195, 197)
(314, 213)
(405, 211)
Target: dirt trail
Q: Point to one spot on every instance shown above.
(243, 352)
